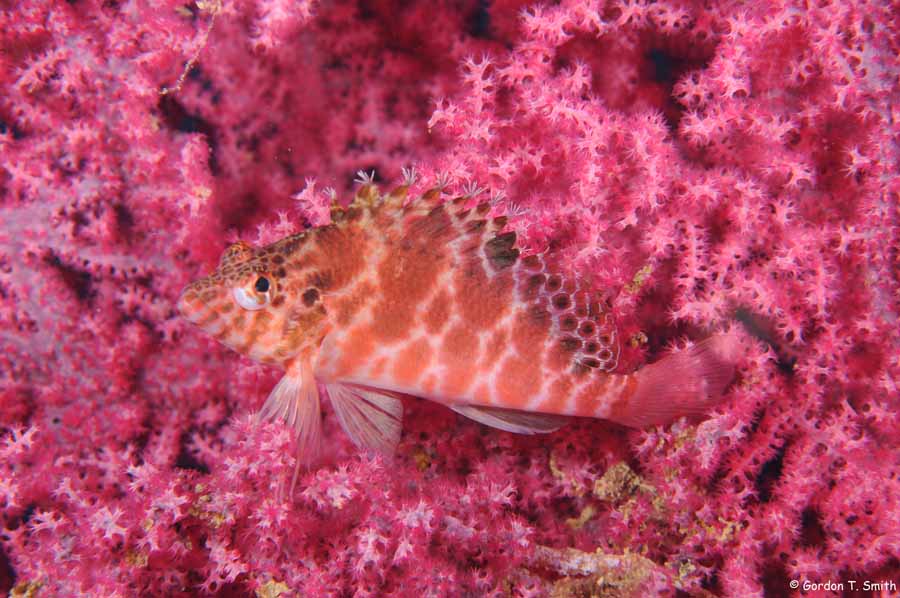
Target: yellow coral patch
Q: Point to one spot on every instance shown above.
(272, 589)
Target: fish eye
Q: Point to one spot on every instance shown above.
(255, 298)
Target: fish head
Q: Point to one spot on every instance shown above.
(254, 303)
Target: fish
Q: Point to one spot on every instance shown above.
(433, 298)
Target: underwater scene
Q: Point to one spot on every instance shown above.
(513, 299)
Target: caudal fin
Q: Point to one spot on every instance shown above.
(685, 383)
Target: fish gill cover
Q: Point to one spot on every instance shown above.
(721, 166)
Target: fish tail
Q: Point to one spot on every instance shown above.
(689, 382)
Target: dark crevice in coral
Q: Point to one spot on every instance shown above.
(716, 479)
(712, 583)
(239, 211)
(768, 475)
(775, 581)
(78, 281)
(141, 440)
(186, 460)
(365, 11)
(176, 117)
(7, 573)
(6, 127)
(811, 531)
(757, 327)
(124, 220)
(479, 22)
(653, 305)
(28, 513)
(665, 66)
(14, 522)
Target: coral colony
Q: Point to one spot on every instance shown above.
(708, 167)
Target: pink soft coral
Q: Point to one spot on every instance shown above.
(727, 167)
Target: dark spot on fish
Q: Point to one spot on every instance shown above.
(500, 251)
(505, 260)
(570, 343)
(278, 260)
(500, 221)
(277, 301)
(605, 355)
(322, 280)
(482, 208)
(581, 311)
(475, 226)
(590, 362)
(281, 272)
(290, 245)
(534, 282)
(310, 296)
(568, 322)
(463, 214)
(504, 240)
(579, 369)
(532, 262)
(561, 301)
(554, 283)
(591, 347)
(587, 329)
(605, 339)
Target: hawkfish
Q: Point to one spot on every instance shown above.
(434, 299)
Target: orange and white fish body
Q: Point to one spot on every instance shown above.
(433, 299)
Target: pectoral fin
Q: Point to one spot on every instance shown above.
(512, 420)
(372, 419)
(295, 401)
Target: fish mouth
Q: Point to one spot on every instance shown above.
(189, 305)
(199, 311)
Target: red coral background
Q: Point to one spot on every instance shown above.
(709, 166)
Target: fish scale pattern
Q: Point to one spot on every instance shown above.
(582, 324)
